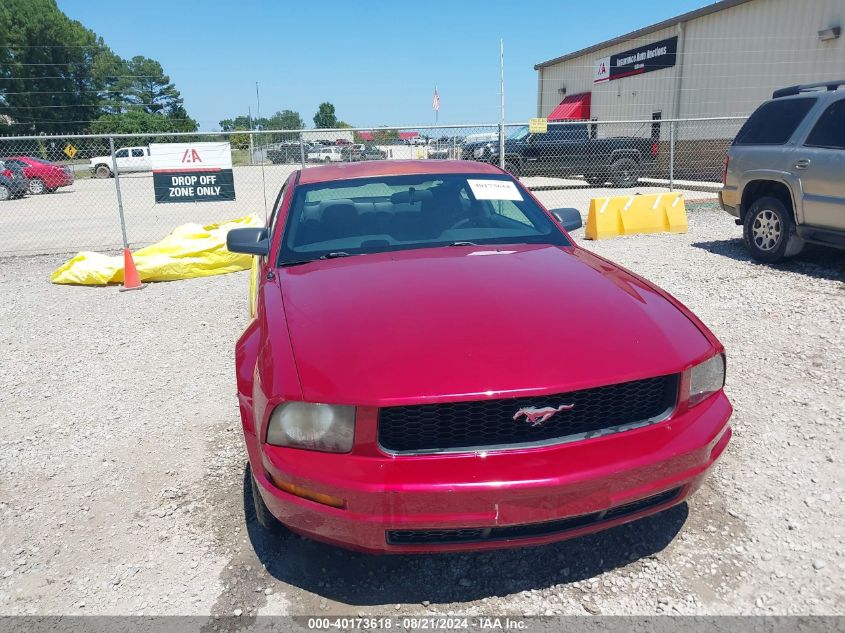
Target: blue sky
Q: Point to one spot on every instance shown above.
(377, 61)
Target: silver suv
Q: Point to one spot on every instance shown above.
(784, 176)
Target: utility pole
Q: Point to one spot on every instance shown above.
(502, 103)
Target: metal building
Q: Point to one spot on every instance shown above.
(721, 60)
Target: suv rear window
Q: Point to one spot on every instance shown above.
(774, 123)
(829, 130)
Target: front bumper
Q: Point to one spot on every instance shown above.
(494, 490)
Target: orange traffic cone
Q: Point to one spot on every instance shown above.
(131, 278)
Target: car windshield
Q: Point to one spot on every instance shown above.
(390, 213)
(519, 133)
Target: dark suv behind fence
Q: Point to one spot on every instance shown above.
(784, 177)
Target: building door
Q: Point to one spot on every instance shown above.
(655, 132)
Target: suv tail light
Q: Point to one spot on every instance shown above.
(654, 148)
(725, 170)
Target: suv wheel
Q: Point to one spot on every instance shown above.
(769, 232)
(102, 171)
(5, 194)
(625, 172)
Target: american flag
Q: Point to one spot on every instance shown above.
(435, 102)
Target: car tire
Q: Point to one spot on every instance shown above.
(36, 187)
(769, 231)
(625, 172)
(102, 171)
(263, 516)
(512, 168)
(327, 160)
(5, 194)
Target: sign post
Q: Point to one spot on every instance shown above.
(119, 197)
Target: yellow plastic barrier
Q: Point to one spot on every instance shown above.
(189, 251)
(626, 215)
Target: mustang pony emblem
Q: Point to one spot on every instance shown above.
(536, 416)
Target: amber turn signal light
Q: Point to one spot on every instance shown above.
(305, 493)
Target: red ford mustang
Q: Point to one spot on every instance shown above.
(433, 364)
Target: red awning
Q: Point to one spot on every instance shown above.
(572, 108)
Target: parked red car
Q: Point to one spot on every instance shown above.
(433, 364)
(43, 176)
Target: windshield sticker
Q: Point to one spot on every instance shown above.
(494, 190)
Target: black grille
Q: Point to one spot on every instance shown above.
(488, 423)
(469, 535)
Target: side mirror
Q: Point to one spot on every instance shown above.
(251, 241)
(569, 219)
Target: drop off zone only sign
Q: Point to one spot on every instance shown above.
(192, 172)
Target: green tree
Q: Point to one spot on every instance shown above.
(112, 77)
(286, 120)
(244, 122)
(325, 117)
(150, 88)
(58, 76)
(139, 121)
(47, 68)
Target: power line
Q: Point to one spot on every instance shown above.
(51, 122)
(79, 105)
(71, 78)
(128, 91)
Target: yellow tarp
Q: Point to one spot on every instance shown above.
(189, 251)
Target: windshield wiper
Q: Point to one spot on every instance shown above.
(335, 254)
(297, 262)
(463, 244)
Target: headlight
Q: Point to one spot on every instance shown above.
(319, 427)
(478, 152)
(706, 378)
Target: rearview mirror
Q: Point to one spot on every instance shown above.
(251, 241)
(569, 219)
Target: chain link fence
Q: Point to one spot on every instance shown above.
(60, 194)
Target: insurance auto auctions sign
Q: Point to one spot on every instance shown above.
(192, 172)
(644, 59)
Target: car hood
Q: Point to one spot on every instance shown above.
(467, 322)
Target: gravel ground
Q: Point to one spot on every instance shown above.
(123, 468)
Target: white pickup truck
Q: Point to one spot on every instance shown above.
(129, 159)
